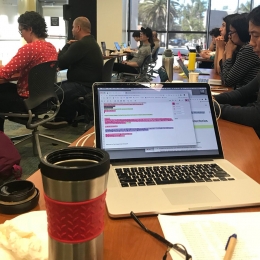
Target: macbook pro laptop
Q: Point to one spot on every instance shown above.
(155, 134)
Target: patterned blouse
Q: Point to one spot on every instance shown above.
(28, 56)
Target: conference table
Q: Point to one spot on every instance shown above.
(124, 239)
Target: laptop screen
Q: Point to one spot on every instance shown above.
(152, 121)
(117, 46)
(183, 67)
(103, 46)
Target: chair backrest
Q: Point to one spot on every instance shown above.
(155, 54)
(144, 66)
(41, 84)
(107, 70)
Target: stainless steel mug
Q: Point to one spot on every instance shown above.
(167, 62)
(75, 182)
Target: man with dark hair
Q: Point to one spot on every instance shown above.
(84, 61)
(236, 105)
(131, 66)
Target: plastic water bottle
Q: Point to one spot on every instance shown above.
(167, 62)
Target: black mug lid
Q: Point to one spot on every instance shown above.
(75, 164)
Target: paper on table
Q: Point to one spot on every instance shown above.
(205, 236)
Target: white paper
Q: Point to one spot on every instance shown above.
(205, 236)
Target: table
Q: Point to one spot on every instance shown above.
(123, 239)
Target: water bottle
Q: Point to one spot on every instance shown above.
(192, 60)
(167, 62)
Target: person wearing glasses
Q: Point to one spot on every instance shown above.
(222, 40)
(33, 29)
(239, 64)
(237, 106)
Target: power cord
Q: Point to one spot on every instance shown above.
(219, 108)
(84, 139)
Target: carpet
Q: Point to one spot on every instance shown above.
(29, 161)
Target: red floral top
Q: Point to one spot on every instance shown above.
(28, 56)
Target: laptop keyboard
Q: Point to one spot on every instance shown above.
(159, 175)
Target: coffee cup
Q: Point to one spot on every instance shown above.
(193, 77)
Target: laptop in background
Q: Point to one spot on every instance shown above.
(186, 71)
(153, 134)
(103, 47)
(117, 46)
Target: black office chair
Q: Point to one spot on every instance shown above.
(152, 64)
(42, 101)
(87, 103)
(141, 76)
(108, 70)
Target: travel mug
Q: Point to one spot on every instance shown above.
(75, 182)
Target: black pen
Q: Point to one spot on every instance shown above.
(230, 247)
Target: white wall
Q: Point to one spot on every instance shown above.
(111, 22)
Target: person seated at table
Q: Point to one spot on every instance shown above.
(239, 64)
(156, 42)
(222, 40)
(132, 66)
(84, 61)
(33, 29)
(210, 52)
(236, 106)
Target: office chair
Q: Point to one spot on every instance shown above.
(152, 64)
(86, 101)
(141, 76)
(42, 100)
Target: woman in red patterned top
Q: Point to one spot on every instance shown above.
(33, 29)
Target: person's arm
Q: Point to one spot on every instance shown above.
(220, 48)
(241, 96)
(233, 73)
(17, 63)
(70, 53)
(130, 63)
(139, 57)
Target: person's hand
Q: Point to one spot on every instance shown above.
(220, 43)
(71, 41)
(205, 54)
(229, 49)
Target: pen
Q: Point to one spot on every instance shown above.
(230, 247)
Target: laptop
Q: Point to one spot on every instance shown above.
(214, 82)
(103, 47)
(186, 71)
(154, 133)
(117, 46)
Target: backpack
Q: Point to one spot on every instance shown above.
(9, 160)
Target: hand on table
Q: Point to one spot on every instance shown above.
(205, 54)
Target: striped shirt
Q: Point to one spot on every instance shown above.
(239, 72)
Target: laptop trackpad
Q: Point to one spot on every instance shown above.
(190, 195)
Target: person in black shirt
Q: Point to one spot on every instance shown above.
(83, 59)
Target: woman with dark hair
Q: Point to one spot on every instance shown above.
(236, 106)
(239, 64)
(33, 29)
(222, 40)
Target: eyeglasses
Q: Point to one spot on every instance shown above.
(178, 247)
(20, 31)
(230, 33)
(23, 27)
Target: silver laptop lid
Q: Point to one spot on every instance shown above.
(166, 121)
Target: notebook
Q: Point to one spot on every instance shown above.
(153, 127)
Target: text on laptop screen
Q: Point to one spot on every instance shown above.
(149, 123)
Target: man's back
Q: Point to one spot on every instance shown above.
(84, 61)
